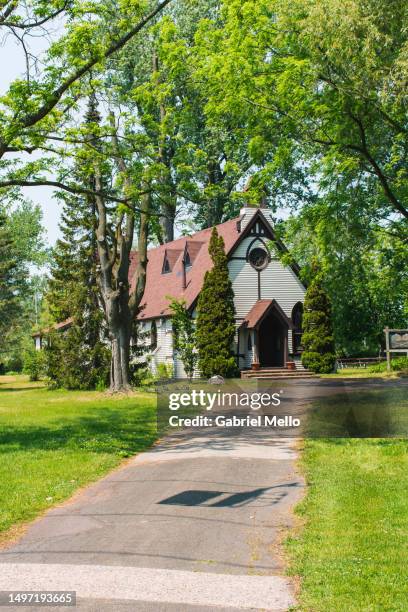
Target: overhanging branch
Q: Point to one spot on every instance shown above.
(77, 190)
(32, 118)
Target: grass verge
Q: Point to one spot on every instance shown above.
(360, 373)
(54, 442)
(352, 553)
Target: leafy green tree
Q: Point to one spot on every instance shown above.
(198, 164)
(22, 249)
(34, 105)
(321, 88)
(318, 87)
(364, 267)
(10, 279)
(215, 327)
(318, 342)
(79, 356)
(184, 336)
(34, 363)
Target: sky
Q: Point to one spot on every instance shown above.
(12, 66)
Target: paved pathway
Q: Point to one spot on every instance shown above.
(194, 524)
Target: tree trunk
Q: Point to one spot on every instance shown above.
(120, 343)
(120, 301)
(167, 222)
(119, 322)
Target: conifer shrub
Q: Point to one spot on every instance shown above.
(72, 364)
(215, 326)
(317, 340)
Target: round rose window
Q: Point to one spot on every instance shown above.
(258, 258)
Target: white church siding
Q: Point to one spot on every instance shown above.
(277, 282)
(246, 361)
(164, 351)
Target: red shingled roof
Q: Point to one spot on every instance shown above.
(159, 286)
(257, 313)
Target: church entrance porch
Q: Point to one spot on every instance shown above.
(268, 328)
(273, 342)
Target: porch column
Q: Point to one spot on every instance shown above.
(286, 349)
(255, 355)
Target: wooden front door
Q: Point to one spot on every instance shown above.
(272, 336)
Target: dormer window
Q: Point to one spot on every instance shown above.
(171, 256)
(166, 266)
(187, 260)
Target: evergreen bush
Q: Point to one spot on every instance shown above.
(317, 340)
(215, 327)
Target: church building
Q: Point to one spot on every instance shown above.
(268, 294)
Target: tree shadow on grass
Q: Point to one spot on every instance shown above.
(106, 431)
(17, 389)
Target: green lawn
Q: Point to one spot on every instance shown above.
(352, 550)
(53, 442)
(359, 373)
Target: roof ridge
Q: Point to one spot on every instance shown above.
(191, 238)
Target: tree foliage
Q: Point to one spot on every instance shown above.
(10, 278)
(198, 164)
(365, 268)
(215, 330)
(320, 84)
(22, 249)
(184, 336)
(317, 340)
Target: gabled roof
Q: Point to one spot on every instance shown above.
(187, 284)
(172, 255)
(260, 311)
(159, 286)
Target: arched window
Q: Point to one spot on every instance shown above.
(153, 336)
(297, 320)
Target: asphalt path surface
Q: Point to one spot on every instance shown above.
(194, 524)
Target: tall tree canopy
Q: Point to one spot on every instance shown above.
(199, 164)
(323, 85)
(42, 112)
(319, 88)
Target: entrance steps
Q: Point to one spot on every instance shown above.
(276, 374)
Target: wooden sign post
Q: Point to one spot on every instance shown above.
(396, 341)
